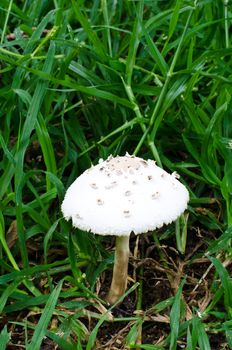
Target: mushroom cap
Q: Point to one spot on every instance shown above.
(122, 195)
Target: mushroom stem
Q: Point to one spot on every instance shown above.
(119, 279)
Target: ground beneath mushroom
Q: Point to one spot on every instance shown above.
(161, 270)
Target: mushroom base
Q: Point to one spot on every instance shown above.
(119, 279)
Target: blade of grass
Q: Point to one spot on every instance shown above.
(48, 237)
(175, 315)
(29, 272)
(155, 53)
(154, 124)
(4, 244)
(5, 337)
(6, 21)
(44, 320)
(73, 260)
(6, 294)
(134, 43)
(227, 42)
(107, 24)
(203, 339)
(174, 19)
(226, 283)
(181, 237)
(47, 148)
(23, 142)
(92, 35)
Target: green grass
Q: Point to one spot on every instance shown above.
(81, 80)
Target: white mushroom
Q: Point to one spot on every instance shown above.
(156, 198)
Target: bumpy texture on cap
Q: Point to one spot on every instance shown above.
(124, 194)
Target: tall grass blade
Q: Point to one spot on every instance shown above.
(5, 337)
(174, 19)
(92, 35)
(155, 53)
(134, 43)
(175, 317)
(23, 142)
(48, 311)
(226, 283)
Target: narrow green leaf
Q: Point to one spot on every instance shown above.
(92, 35)
(48, 237)
(107, 24)
(25, 303)
(189, 345)
(43, 136)
(221, 243)
(23, 142)
(73, 259)
(207, 145)
(5, 337)
(175, 315)
(6, 151)
(132, 336)
(226, 282)
(47, 147)
(4, 243)
(174, 19)
(44, 320)
(27, 272)
(194, 336)
(229, 337)
(155, 21)
(85, 73)
(147, 347)
(155, 53)
(192, 113)
(134, 43)
(7, 293)
(203, 339)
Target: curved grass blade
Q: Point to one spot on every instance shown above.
(155, 53)
(6, 294)
(226, 283)
(4, 243)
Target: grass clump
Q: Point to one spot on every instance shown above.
(80, 81)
